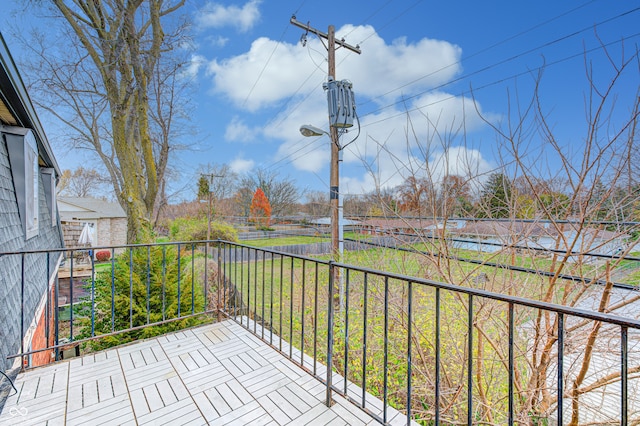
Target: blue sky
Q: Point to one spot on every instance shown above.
(256, 84)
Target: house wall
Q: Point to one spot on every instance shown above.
(42, 337)
(108, 232)
(71, 232)
(112, 231)
(37, 270)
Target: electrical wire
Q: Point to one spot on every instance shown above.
(359, 128)
(502, 62)
(255, 83)
(290, 99)
(502, 80)
(295, 152)
(490, 66)
(454, 96)
(11, 382)
(479, 71)
(484, 50)
(404, 12)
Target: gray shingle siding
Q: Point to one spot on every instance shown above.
(36, 279)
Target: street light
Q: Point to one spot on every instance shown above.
(335, 198)
(309, 130)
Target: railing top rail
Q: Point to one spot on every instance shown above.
(61, 249)
(573, 311)
(583, 313)
(170, 243)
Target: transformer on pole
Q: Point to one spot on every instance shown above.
(342, 105)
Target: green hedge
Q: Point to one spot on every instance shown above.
(191, 229)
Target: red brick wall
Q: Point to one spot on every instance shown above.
(39, 339)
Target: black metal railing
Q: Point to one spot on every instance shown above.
(390, 343)
(135, 292)
(406, 341)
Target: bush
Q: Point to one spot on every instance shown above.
(190, 229)
(157, 294)
(103, 255)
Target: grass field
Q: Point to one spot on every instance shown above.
(294, 240)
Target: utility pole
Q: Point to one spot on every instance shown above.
(334, 194)
(210, 177)
(334, 179)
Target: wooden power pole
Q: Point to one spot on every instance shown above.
(334, 193)
(334, 181)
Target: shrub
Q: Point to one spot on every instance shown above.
(156, 292)
(190, 229)
(103, 255)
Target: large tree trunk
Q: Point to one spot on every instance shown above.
(124, 41)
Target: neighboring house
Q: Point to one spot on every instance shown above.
(395, 226)
(108, 220)
(325, 223)
(538, 235)
(28, 221)
(492, 235)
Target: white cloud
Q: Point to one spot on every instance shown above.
(240, 165)
(217, 41)
(243, 18)
(270, 71)
(401, 139)
(259, 78)
(194, 65)
(238, 131)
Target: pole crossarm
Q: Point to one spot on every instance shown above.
(308, 28)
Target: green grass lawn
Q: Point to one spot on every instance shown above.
(297, 239)
(282, 293)
(284, 241)
(103, 267)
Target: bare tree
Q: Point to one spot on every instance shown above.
(281, 192)
(223, 181)
(82, 183)
(576, 202)
(413, 194)
(318, 203)
(101, 78)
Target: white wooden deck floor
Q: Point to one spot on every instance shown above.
(218, 374)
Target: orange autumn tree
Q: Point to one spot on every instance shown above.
(260, 209)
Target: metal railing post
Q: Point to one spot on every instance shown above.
(56, 318)
(328, 401)
(624, 375)
(221, 278)
(22, 271)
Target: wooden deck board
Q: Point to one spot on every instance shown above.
(118, 409)
(274, 410)
(215, 374)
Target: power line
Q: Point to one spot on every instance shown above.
(255, 83)
(291, 157)
(453, 96)
(488, 67)
(492, 83)
(486, 49)
(481, 70)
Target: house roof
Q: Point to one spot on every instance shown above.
(493, 228)
(490, 228)
(327, 221)
(397, 223)
(87, 208)
(16, 108)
